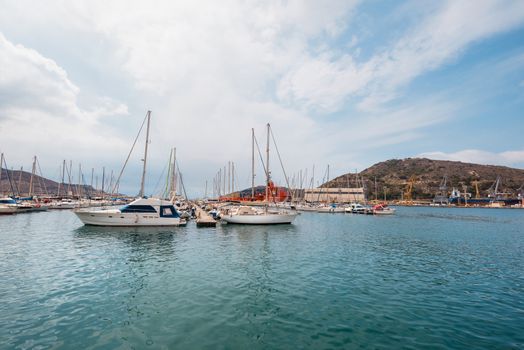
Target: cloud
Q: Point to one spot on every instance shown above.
(507, 158)
(39, 111)
(210, 71)
(325, 82)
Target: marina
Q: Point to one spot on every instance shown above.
(262, 175)
(423, 278)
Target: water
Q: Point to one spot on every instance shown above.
(427, 278)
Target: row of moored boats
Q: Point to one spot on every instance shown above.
(353, 208)
(10, 205)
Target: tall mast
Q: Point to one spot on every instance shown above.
(219, 182)
(1, 168)
(141, 194)
(31, 178)
(103, 179)
(69, 173)
(20, 181)
(313, 178)
(63, 176)
(232, 177)
(173, 176)
(267, 164)
(252, 163)
(79, 189)
(111, 181)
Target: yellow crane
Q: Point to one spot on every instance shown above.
(477, 192)
(408, 198)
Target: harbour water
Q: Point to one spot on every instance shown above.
(425, 278)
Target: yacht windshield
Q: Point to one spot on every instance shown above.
(138, 209)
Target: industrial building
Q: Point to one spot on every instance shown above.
(335, 195)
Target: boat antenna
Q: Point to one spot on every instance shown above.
(141, 194)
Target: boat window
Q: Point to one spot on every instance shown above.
(138, 209)
(168, 211)
(7, 201)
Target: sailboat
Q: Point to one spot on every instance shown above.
(259, 216)
(142, 211)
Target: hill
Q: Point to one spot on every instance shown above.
(18, 183)
(427, 174)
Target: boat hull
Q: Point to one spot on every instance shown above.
(115, 218)
(331, 210)
(8, 210)
(383, 212)
(271, 219)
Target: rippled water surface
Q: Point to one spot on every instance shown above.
(430, 278)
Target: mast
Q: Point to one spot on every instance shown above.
(1, 168)
(252, 163)
(141, 194)
(31, 178)
(20, 181)
(69, 173)
(79, 189)
(63, 176)
(229, 177)
(267, 164)
(220, 182)
(173, 180)
(103, 179)
(232, 176)
(111, 181)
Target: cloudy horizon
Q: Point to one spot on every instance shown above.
(344, 83)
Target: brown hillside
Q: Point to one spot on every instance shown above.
(18, 184)
(394, 174)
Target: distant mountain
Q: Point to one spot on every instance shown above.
(18, 183)
(427, 175)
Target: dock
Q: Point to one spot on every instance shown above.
(203, 219)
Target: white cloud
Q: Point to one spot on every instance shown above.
(326, 81)
(210, 71)
(508, 158)
(39, 113)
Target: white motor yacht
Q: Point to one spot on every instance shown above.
(356, 208)
(8, 206)
(140, 212)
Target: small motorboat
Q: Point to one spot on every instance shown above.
(382, 209)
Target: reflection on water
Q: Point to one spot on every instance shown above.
(424, 278)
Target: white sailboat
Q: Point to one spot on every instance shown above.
(260, 216)
(141, 212)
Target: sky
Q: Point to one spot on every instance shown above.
(343, 83)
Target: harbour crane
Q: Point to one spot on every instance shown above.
(408, 196)
(477, 192)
